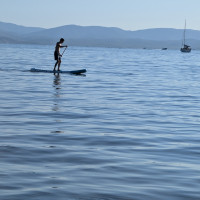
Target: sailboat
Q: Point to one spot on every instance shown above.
(185, 48)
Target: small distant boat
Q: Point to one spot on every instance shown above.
(185, 48)
(164, 48)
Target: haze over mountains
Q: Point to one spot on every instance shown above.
(97, 36)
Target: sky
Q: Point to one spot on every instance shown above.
(124, 14)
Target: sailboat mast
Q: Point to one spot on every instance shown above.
(185, 48)
(184, 33)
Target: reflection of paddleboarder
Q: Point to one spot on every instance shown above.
(57, 55)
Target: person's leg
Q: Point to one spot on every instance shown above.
(59, 62)
(55, 65)
(55, 58)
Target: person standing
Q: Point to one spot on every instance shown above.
(57, 55)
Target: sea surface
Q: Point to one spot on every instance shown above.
(127, 130)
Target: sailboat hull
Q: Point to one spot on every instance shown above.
(188, 50)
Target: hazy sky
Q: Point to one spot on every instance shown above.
(125, 14)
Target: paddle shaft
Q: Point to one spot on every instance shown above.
(64, 51)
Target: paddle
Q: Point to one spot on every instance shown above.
(64, 50)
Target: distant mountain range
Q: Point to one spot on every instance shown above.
(96, 36)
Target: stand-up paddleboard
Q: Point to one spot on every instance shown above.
(65, 72)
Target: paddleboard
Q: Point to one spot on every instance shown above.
(66, 72)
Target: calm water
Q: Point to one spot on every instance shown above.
(128, 130)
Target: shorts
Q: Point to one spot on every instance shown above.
(56, 56)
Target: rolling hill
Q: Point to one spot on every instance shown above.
(98, 36)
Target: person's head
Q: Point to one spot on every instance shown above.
(62, 40)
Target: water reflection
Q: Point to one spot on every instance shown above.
(57, 131)
(57, 82)
(57, 88)
(56, 100)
